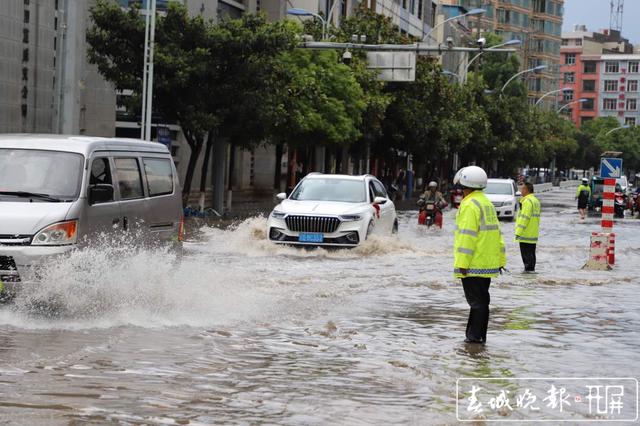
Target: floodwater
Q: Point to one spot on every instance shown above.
(242, 331)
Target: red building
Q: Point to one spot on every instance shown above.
(580, 68)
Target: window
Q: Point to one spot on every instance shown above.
(578, 42)
(611, 67)
(569, 77)
(129, 179)
(159, 176)
(632, 86)
(420, 6)
(633, 66)
(589, 67)
(379, 190)
(610, 85)
(565, 41)
(588, 85)
(570, 59)
(609, 104)
(25, 55)
(26, 16)
(587, 105)
(630, 121)
(568, 95)
(632, 104)
(25, 35)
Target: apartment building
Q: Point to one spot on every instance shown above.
(537, 23)
(618, 88)
(583, 71)
(46, 82)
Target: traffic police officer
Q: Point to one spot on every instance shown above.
(479, 251)
(528, 227)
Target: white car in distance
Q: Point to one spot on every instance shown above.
(504, 196)
(332, 210)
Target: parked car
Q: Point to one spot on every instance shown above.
(504, 196)
(332, 210)
(60, 192)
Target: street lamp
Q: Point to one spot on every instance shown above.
(506, 43)
(147, 71)
(450, 73)
(624, 126)
(534, 69)
(472, 12)
(564, 89)
(303, 12)
(579, 101)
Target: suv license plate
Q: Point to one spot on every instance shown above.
(309, 237)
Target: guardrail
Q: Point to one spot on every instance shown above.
(543, 187)
(569, 183)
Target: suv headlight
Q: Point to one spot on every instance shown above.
(61, 233)
(350, 218)
(278, 215)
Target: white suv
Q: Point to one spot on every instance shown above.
(332, 210)
(504, 195)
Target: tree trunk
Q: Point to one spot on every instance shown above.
(219, 157)
(277, 177)
(232, 160)
(205, 169)
(196, 147)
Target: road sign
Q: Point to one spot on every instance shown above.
(393, 66)
(610, 167)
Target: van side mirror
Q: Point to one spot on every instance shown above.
(518, 193)
(100, 193)
(282, 196)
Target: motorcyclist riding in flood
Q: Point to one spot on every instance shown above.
(432, 195)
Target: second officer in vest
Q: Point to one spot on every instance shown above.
(528, 227)
(479, 252)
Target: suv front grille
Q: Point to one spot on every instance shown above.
(321, 224)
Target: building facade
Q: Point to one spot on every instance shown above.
(584, 72)
(618, 88)
(538, 24)
(46, 82)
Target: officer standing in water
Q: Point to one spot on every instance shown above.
(479, 251)
(528, 227)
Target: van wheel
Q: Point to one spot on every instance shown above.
(394, 229)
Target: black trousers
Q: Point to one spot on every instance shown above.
(528, 252)
(476, 291)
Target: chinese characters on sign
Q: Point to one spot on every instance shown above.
(547, 399)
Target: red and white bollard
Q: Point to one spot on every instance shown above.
(608, 203)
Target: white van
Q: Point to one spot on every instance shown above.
(58, 192)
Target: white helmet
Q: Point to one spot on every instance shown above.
(433, 184)
(585, 180)
(471, 177)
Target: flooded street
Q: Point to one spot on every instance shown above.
(242, 331)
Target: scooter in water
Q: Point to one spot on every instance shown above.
(620, 204)
(428, 213)
(456, 197)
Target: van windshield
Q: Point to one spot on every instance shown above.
(52, 175)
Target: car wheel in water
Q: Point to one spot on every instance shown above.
(370, 228)
(394, 229)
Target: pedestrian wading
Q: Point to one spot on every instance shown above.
(479, 251)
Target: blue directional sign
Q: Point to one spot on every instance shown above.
(610, 167)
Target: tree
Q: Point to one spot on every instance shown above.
(210, 79)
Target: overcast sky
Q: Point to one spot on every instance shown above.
(595, 15)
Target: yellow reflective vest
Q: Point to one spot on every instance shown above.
(478, 245)
(528, 223)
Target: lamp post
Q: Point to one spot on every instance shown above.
(472, 12)
(516, 75)
(506, 43)
(564, 89)
(579, 101)
(450, 73)
(303, 12)
(147, 72)
(624, 126)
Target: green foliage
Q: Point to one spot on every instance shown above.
(594, 141)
